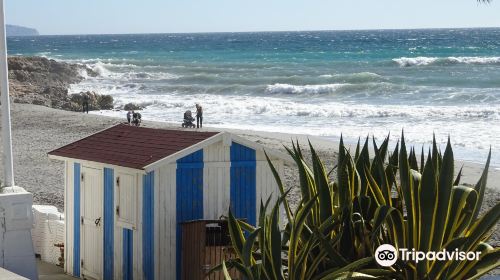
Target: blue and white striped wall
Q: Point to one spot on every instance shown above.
(200, 185)
(211, 180)
(126, 253)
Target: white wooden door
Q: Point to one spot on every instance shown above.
(91, 219)
(126, 200)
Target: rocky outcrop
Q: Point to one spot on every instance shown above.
(132, 107)
(42, 81)
(96, 101)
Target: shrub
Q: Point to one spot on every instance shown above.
(390, 198)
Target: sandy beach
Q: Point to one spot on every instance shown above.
(37, 130)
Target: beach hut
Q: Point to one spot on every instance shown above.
(128, 190)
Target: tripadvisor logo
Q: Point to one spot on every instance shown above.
(387, 255)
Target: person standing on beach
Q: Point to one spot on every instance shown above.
(129, 117)
(199, 116)
(85, 103)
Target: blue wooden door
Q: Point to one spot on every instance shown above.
(243, 182)
(189, 196)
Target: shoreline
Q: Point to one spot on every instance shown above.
(62, 91)
(36, 130)
(467, 155)
(470, 175)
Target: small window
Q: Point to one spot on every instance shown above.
(126, 200)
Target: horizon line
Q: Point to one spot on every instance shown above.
(267, 31)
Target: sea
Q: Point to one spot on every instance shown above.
(442, 82)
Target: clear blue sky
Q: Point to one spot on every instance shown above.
(164, 16)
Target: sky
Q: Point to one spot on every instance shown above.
(55, 17)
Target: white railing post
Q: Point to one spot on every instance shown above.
(16, 247)
(4, 89)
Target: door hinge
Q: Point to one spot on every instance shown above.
(81, 219)
(81, 263)
(82, 177)
(118, 210)
(118, 181)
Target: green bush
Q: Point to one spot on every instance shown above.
(389, 198)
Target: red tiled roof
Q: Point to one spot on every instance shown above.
(130, 146)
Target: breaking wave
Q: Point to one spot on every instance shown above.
(362, 77)
(127, 72)
(303, 89)
(424, 60)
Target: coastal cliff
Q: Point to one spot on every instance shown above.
(42, 81)
(16, 30)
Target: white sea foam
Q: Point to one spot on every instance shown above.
(125, 72)
(83, 73)
(303, 89)
(423, 60)
(45, 54)
(475, 60)
(101, 70)
(415, 61)
(314, 105)
(343, 75)
(355, 78)
(283, 114)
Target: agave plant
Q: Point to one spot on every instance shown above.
(342, 219)
(264, 253)
(438, 213)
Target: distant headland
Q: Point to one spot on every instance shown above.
(16, 30)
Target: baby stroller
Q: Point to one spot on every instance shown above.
(188, 120)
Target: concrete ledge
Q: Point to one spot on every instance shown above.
(7, 275)
(16, 244)
(48, 271)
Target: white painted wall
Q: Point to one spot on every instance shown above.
(137, 243)
(265, 181)
(156, 221)
(48, 230)
(166, 222)
(69, 215)
(216, 176)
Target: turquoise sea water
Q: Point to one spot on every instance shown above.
(442, 81)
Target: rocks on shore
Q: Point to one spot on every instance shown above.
(42, 81)
(96, 101)
(132, 107)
